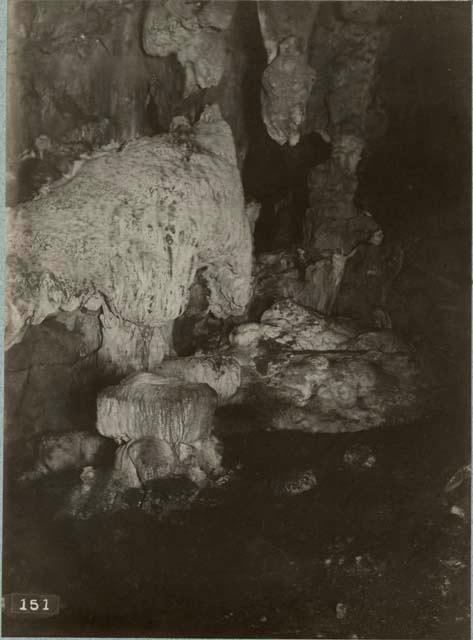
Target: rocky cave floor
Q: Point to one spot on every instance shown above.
(373, 550)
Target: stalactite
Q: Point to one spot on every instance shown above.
(334, 225)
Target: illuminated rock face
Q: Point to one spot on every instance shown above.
(145, 404)
(195, 32)
(164, 425)
(314, 374)
(128, 232)
(288, 79)
(221, 373)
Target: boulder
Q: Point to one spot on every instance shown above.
(143, 460)
(325, 375)
(341, 391)
(145, 404)
(221, 373)
(304, 329)
(250, 333)
(64, 451)
(147, 459)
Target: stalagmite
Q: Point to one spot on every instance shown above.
(145, 404)
(164, 425)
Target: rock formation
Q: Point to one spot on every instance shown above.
(144, 231)
(78, 79)
(145, 404)
(310, 373)
(132, 239)
(348, 43)
(51, 376)
(220, 373)
(64, 451)
(288, 79)
(165, 425)
(195, 32)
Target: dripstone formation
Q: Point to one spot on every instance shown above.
(136, 225)
(133, 272)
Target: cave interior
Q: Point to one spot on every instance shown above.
(237, 335)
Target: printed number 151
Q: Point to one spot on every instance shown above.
(32, 604)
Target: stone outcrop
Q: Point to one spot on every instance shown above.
(288, 79)
(195, 32)
(132, 239)
(310, 373)
(164, 424)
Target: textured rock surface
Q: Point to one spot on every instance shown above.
(153, 232)
(276, 276)
(363, 292)
(146, 459)
(288, 79)
(319, 375)
(145, 404)
(298, 327)
(195, 32)
(345, 53)
(63, 340)
(368, 280)
(78, 79)
(304, 329)
(165, 425)
(221, 373)
(143, 460)
(168, 495)
(295, 483)
(50, 376)
(63, 451)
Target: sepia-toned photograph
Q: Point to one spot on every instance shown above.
(237, 319)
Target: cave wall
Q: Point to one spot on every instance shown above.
(78, 78)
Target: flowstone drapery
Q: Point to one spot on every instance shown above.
(135, 226)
